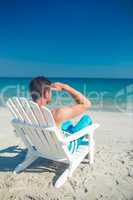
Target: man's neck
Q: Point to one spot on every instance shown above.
(41, 102)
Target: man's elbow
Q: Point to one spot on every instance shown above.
(88, 105)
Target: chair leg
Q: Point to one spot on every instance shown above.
(92, 155)
(29, 159)
(62, 179)
(91, 149)
(72, 168)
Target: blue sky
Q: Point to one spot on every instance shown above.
(66, 38)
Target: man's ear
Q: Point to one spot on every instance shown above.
(46, 94)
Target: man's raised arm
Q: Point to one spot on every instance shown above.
(68, 112)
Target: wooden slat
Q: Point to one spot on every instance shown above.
(48, 116)
(57, 144)
(38, 114)
(28, 110)
(14, 110)
(36, 139)
(20, 109)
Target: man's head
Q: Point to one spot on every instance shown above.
(40, 89)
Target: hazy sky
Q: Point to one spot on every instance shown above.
(67, 38)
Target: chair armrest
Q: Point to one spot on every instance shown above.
(85, 131)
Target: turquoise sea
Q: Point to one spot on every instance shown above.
(105, 94)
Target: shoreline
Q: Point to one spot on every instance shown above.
(110, 109)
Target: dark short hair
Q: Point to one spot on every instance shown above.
(38, 86)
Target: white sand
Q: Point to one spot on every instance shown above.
(111, 177)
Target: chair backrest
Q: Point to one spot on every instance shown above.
(34, 122)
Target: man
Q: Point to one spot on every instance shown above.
(40, 90)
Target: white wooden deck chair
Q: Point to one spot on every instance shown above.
(39, 133)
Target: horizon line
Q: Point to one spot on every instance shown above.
(21, 77)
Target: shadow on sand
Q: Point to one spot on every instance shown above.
(8, 162)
